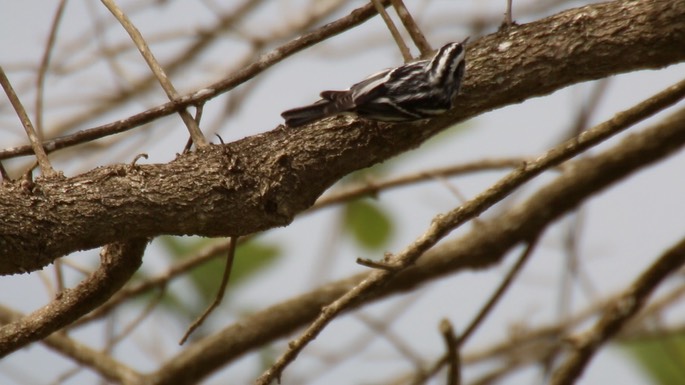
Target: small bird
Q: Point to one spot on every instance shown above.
(413, 91)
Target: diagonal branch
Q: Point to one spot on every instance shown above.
(396, 35)
(102, 363)
(45, 64)
(34, 138)
(192, 124)
(118, 263)
(477, 249)
(412, 28)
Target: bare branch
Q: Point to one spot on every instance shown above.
(482, 313)
(220, 293)
(118, 263)
(453, 355)
(36, 145)
(414, 31)
(102, 363)
(373, 188)
(141, 44)
(618, 314)
(406, 55)
(501, 289)
(44, 64)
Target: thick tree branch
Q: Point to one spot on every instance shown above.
(118, 263)
(262, 181)
(480, 248)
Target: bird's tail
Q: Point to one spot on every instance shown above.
(302, 115)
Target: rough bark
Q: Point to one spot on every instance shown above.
(263, 181)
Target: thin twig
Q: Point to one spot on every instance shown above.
(156, 68)
(453, 352)
(159, 282)
(497, 295)
(617, 315)
(36, 145)
(198, 117)
(508, 18)
(372, 189)
(219, 295)
(482, 313)
(381, 327)
(406, 55)
(131, 326)
(59, 276)
(44, 64)
(40, 89)
(410, 25)
(572, 236)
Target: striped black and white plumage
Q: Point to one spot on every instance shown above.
(413, 91)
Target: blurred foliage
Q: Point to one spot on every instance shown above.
(662, 358)
(370, 226)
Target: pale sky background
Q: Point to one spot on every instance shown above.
(626, 227)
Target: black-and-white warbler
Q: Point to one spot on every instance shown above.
(413, 91)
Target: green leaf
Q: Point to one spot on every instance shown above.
(368, 224)
(662, 358)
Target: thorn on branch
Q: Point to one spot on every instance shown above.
(133, 165)
(381, 265)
